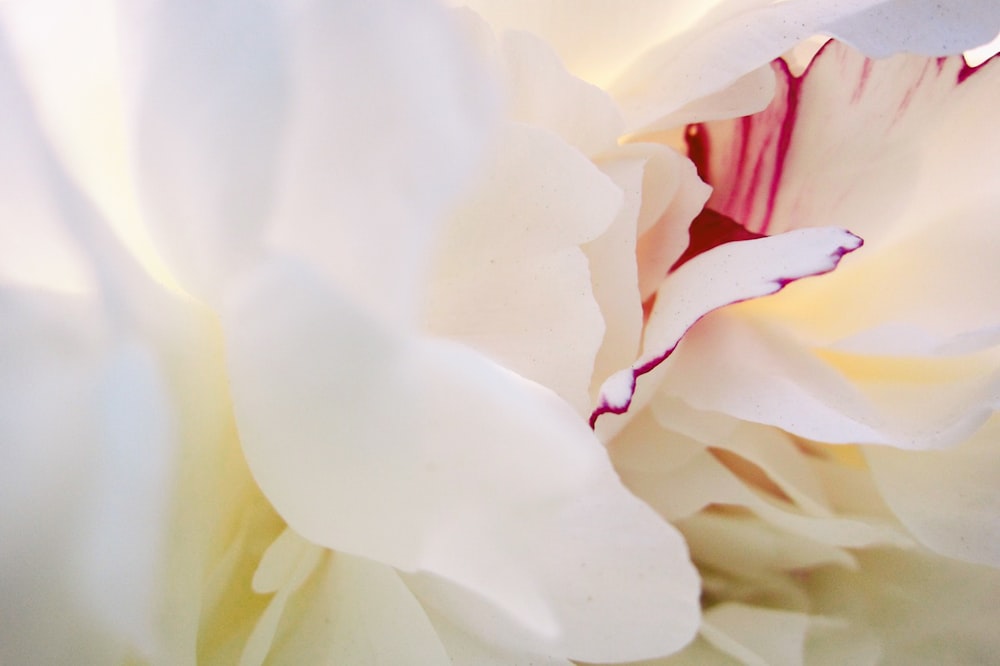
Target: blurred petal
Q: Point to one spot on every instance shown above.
(948, 499)
(207, 88)
(355, 187)
(679, 477)
(354, 611)
(473, 474)
(466, 649)
(757, 636)
(923, 609)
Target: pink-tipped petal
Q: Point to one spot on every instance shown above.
(729, 273)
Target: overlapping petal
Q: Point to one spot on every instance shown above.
(338, 404)
(659, 60)
(110, 396)
(464, 469)
(724, 275)
(509, 278)
(884, 350)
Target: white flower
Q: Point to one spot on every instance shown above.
(345, 419)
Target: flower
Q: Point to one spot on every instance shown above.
(345, 417)
(865, 517)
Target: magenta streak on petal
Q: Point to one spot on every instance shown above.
(784, 140)
(644, 366)
(966, 71)
(711, 229)
(698, 149)
(866, 70)
(747, 176)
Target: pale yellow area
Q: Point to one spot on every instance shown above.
(910, 370)
(68, 57)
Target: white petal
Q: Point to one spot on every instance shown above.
(693, 65)
(948, 499)
(69, 61)
(663, 235)
(88, 420)
(205, 107)
(680, 477)
(742, 367)
(353, 611)
(613, 273)
(426, 456)
(282, 123)
(466, 649)
(543, 94)
(510, 279)
(722, 276)
(658, 57)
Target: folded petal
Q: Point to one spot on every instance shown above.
(424, 455)
(509, 277)
(543, 94)
(727, 274)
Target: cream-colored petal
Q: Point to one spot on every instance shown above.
(663, 234)
(286, 132)
(724, 275)
(69, 62)
(510, 279)
(88, 422)
(922, 608)
(284, 568)
(466, 649)
(596, 40)
(354, 611)
(659, 57)
(757, 636)
(692, 65)
(613, 273)
(541, 93)
(426, 456)
(743, 367)
(948, 499)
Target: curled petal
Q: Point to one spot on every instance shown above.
(727, 274)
